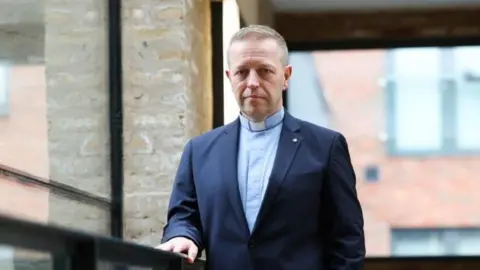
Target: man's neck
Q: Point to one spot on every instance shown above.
(265, 123)
(260, 118)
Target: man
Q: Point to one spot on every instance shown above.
(267, 191)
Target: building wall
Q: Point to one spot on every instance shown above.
(23, 143)
(411, 192)
(23, 131)
(76, 73)
(167, 99)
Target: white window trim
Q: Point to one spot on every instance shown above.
(5, 87)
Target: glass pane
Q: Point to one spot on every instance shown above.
(30, 202)
(417, 114)
(53, 68)
(79, 215)
(22, 259)
(417, 243)
(416, 63)
(467, 61)
(468, 243)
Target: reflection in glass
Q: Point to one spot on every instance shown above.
(40, 204)
(412, 114)
(54, 106)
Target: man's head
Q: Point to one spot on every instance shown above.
(258, 70)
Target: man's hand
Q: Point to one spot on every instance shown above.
(181, 245)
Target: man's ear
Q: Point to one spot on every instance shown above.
(287, 73)
(228, 73)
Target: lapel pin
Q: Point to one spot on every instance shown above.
(294, 140)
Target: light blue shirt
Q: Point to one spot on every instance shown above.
(258, 143)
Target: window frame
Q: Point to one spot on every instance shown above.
(448, 110)
(449, 237)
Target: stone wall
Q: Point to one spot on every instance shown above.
(76, 52)
(167, 101)
(22, 43)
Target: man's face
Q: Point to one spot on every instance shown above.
(258, 76)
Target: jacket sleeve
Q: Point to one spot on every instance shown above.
(343, 226)
(183, 217)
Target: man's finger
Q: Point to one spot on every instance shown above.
(178, 248)
(168, 246)
(192, 253)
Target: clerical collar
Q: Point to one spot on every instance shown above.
(270, 122)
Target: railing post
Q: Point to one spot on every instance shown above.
(115, 115)
(84, 256)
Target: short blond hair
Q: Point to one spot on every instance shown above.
(261, 32)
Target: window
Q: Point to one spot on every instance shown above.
(468, 97)
(433, 100)
(305, 95)
(435, 242)
(4, 90)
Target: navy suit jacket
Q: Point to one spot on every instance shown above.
(310, 218)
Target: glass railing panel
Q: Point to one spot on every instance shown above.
(12, 258)
(40, 204)
(54, 91)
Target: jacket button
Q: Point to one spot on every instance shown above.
(251, 244)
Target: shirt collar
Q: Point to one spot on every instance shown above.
(270, 122)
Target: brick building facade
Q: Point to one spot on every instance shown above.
(415, 193)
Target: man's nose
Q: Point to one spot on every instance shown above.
(252, 80)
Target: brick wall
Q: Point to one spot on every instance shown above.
(23, 143)
(411, 192)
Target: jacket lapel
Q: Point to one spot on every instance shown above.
(228, 164)
(288, 144)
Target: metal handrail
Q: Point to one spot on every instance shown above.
(76, 250)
